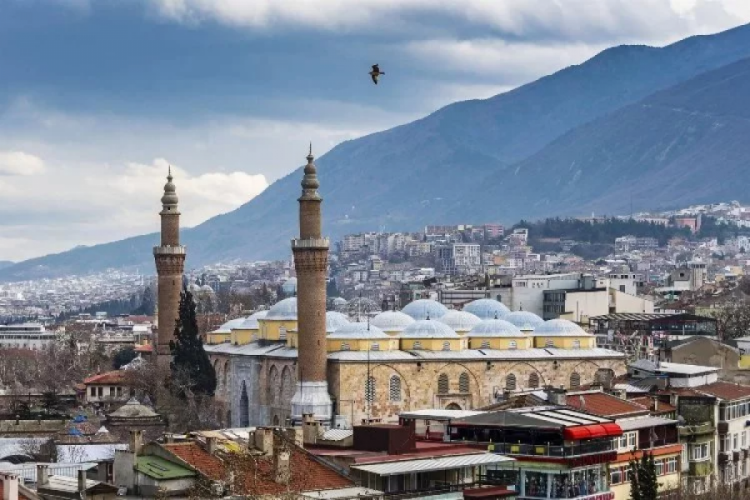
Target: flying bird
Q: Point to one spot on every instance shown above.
(375, 73)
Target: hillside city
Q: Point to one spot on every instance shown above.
(240, 260)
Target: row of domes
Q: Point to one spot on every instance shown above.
(424, 319)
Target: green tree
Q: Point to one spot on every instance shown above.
(123, 357)
(192, 373)
(635, 487)
(644, 484)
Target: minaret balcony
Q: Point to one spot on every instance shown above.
(312, 243)
(169, 250)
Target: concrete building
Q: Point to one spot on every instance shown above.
(170, 264)
(25, 336)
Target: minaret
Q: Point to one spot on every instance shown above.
(311, 263)
(170, 263)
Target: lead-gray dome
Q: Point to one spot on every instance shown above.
(335, 320)
(524, 320)
(230, 325)
(358, 330)
(283, 310)
(428, 329)
(425, 308)
(392, 321)
(560, 327)
(251, 322)
(460, 321)
(495, 328)
(487, 309)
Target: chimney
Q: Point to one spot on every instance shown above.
(309, 429)
(264, 440)
(211, 445)
(136, 442)
(102, 473)
(557, 397)
(281, 466)
(9, 484)
(654, 403)
(82, 484)
(42, 475)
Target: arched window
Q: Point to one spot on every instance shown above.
(443, 386)
(273, 394)
(604, 377)
(287, 387)
(226, 376)
(512, 344)
(533, 380)
(244, 407)
(549, 343)
(446, 346)
(510, 382)
(395, 388)
(576, 344)
(463, 383)
(344, 346)
(370, 389)
(485, 344)
(375, 346)
(575, 380)
(417, 345)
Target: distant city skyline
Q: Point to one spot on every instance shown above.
(99, 97)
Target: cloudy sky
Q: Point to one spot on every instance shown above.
(98, 96)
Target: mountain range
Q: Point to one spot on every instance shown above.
(634, 126)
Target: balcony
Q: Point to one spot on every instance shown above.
(569, 451)
(723, 428)
(700, 469)
(696, 430)
(310, 243)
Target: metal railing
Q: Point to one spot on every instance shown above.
(550, 450)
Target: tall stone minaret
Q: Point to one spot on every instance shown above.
(311, 263)
(170, 264)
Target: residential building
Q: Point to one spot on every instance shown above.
(106, 388)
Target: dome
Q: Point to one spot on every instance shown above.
(207, 289)
(358, 330)
(339, 301)
(290, 286)
(192, 288)
(229, 325)
(283, 310)
(487, 309)
(524, 320)
(422, 308)
(560, 327)
(392, 321)
(428, 329)
(460, 321)
(495, 328)
(335, 320)
(251, 322)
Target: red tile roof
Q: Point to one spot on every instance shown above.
(109, 378)
(198, 458)
(725, 390)
(144, 348)
(256, 474)
(604, 405)
(645, 401)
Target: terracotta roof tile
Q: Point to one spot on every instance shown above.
(604, 405)
(108, 378)
(144, 348)
(645, 401)
(725, 390)
(198, 458)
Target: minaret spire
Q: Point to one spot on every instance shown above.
(311, 263)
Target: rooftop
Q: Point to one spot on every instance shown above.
(725, 390)
(432, 464)
(672, 368)
(605, 405)
(114, 377)
(158, 468)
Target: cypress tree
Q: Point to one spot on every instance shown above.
(649, 484)
(635, 487)
(191, 368)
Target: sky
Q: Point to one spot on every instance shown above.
(98, 97)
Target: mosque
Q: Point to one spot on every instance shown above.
(295, 358)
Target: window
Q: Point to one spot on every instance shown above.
(619, 475)
(344, 346)
(659, 466)
(631, 439)
(100, 391)
(282, 333)
(446, 346)
(510, 382)
(533, 381)
(575, 380)
(417, 345)
(549, 343)
(744, 439)
(699, 452)
(576, 344)
(735, 442)
(370, 390)
(443, 384)
(93, 391)
(512, 344)
(375, 346)
(395, 388)
(463, 383)
(670, 465)
(485, 344)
